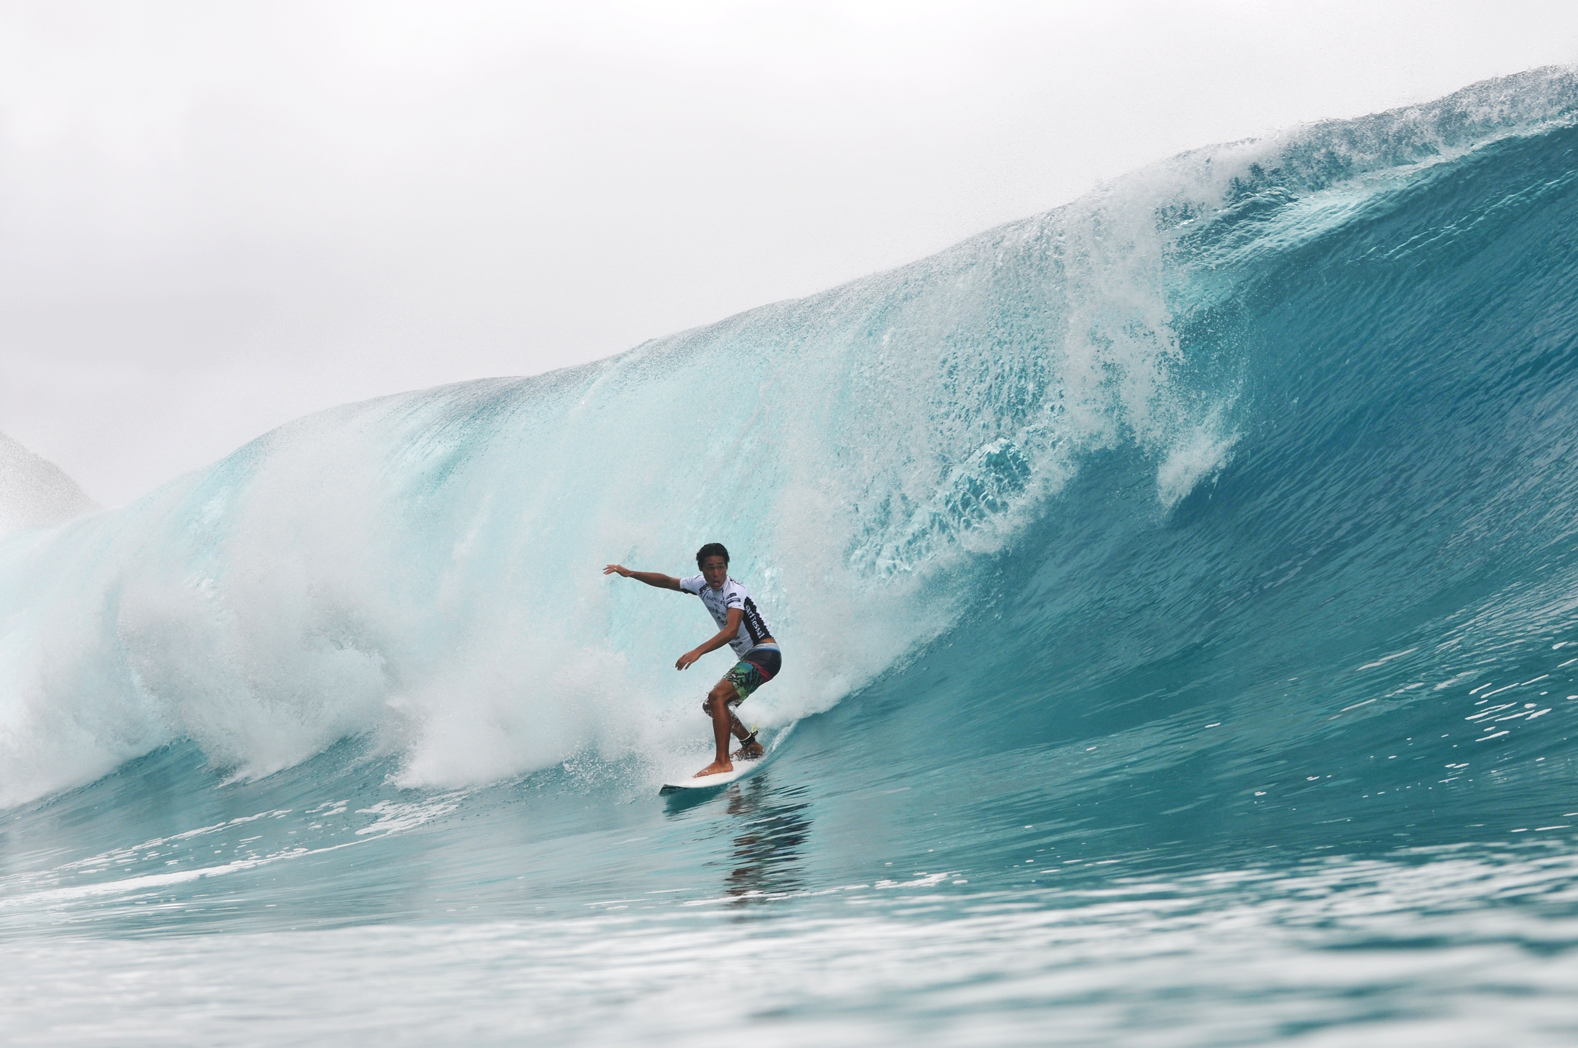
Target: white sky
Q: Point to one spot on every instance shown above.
(217, 217)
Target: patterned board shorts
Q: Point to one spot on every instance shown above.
(757, 668)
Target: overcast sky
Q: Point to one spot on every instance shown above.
(215, 217)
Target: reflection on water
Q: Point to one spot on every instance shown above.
(770, 828)
(773, 827)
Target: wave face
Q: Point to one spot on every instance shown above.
(1219, 524)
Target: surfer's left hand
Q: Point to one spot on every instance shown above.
(684, 661)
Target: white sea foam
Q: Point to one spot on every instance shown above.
(1241, 956)
(34, 492)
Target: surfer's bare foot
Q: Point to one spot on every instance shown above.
(715, 768)
(748, 752)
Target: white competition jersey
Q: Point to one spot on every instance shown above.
(719, 601)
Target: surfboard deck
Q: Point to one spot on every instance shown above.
(710, 782)
(742, 768)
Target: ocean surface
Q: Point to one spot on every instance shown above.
(1179, 599)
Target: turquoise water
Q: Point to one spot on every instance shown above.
(1179, 596)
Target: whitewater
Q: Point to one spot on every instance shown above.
(1179, 598)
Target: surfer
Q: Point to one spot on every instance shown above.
(741, 627)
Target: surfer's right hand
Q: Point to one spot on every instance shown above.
(617, 569)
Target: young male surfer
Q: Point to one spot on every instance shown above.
(740, 626)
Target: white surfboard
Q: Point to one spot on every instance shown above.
(742, 768)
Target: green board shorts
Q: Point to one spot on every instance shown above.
(758, 666)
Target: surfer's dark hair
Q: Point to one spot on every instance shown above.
(711, 549)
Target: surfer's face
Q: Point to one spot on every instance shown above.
(716, 571)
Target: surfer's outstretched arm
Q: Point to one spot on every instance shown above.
(651, 578)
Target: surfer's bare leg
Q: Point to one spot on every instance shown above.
(718, 707)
